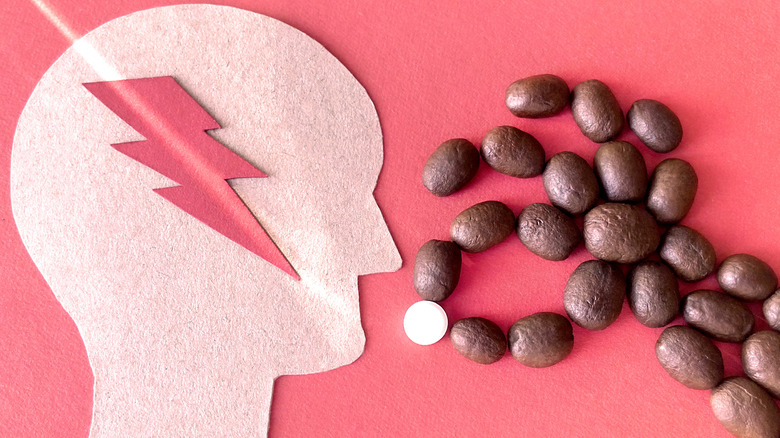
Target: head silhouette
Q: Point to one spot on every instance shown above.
(185, 328)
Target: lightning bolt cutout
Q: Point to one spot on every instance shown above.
(178, 147)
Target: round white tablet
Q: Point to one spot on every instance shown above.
(425, 322)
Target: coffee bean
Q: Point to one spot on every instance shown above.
(537, 96)
(672, 190)
(478, 339)
(745, 409)
(771, 310)
(718, 315)
(655, 124)
(761, 360)
(596, 111)
(594, 293)
(450, 167)
(513, 152)
(689, 254)
(541, 340)
(621, 171)
(570, 183)
(437, 270)
(689, 357)
(747, 277)
(653, 294)
(620, 233)
(547, 231)
(482, 226)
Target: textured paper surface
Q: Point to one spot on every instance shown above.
(185, 329)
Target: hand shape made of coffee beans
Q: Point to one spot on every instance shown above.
(622, 211)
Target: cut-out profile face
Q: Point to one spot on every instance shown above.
(185, 328)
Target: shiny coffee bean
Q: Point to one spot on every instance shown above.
(547, 231)
(594, 294)
(537, 96)
(437, 270)
(513, 152)
(570, 183)
(621, 171)
(653, 294)
(761, 360)
(745, 409)
(620, 233)
(689, 357)
(450, 167)
(672, 190)
(478, 339)
(541, 340)
(747, 277)
(655, 124)
(482, 226)
(771, 310)
(718, 315)
(596, 111)
(689, 254)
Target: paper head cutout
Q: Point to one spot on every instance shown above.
(186, 329)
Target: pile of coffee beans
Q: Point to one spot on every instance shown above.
(629, 221)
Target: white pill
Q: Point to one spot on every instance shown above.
(425, 322)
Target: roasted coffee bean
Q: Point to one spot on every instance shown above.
(653, 294)
(689, 254)
(570, 183)
(772, 310)
(437, 270)
(596, 111)
(718, 315)
(620, 233)
(761, 360)
(594, 293)
(745, 409)
(655, 124)
(672, 189)
(482, 226)
(547, 231)
(478, 339)
(541, 339)
(537, 96)
(747, 277)
(621, 171)
(689, 357)
(450, 167)
(513, 152)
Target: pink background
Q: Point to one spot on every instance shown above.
(437, 72)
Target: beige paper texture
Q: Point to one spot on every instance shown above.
(185, 329)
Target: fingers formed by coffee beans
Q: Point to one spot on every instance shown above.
(655, 124)
(482, 226)
(570, 183)
(689, 357)
(620, 233)
(718, 315)
(653, 294)
(771, 310)
(513, 152)
(547, 232)
(672, 190)
(450, 167)
(437, 270)
(596, 111)
(689, 254)
(622, 172)
(745, 409)
(541, 340)
(537, 96)
(747, 277)
(478, 339)
(594, 294)
(761, 360)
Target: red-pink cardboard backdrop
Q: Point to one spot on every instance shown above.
(437, 70)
